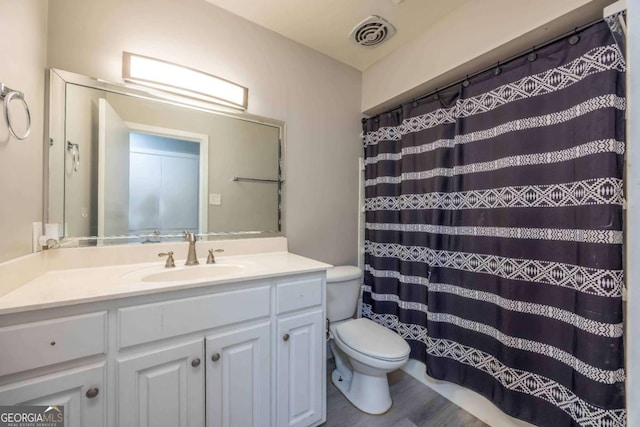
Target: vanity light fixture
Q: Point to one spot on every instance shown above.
(183, 81)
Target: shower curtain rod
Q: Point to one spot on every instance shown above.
(484, 70)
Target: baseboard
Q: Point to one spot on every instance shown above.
(472, 402)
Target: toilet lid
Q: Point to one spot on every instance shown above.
(367, 337)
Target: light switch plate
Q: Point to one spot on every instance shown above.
(215, 199)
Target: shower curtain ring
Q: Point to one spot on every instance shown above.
(498, 70)
(575, 38)
(533, 55)
(466, 83)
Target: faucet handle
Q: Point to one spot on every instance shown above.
(211, 259)
(170, 261)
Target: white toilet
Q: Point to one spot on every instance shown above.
(364, 351)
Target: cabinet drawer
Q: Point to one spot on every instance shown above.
(299, 294)
(151, 322)
(33, 345)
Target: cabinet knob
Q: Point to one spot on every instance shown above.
(215, 357)
(195, 362)
(92, 392)
(286, 337)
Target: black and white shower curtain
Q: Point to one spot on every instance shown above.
(494, 232)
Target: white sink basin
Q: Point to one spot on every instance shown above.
(196, 273)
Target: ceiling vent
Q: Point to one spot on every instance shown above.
(372, 31)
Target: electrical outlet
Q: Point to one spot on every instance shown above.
(215, 199)
(36, 232)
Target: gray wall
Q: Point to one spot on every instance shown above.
(23, 53)
(317, 97)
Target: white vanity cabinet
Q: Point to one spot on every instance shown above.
(239, 377)
(300, 373)
(249, 353)
(163, 387)
(300, 355)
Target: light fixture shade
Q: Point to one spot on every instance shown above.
(183, 81)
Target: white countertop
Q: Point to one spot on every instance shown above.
(82, 285)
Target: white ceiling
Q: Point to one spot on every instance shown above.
(324, 25)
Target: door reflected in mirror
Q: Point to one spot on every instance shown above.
(149, 181)
(164, 185)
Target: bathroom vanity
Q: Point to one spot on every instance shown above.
(122, 341)
(237, 343)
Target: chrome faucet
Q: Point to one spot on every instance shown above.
(192, 258)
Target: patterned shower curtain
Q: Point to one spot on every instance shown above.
(494, 232)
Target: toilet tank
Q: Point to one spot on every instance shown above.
(343, 290)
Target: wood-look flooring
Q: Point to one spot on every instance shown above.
(414, 405)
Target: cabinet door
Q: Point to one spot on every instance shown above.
(75, 389)
(162, 388)
(300, 369)
(239, 377)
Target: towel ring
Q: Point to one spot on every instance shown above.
(9, 95)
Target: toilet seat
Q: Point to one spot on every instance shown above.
(369, 339)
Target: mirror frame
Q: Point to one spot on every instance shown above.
(53, 122)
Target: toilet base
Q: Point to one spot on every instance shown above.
(368, 393)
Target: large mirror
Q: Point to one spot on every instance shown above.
(127, 165)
